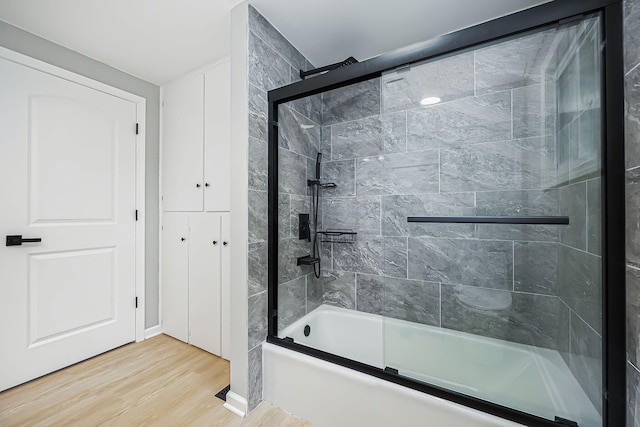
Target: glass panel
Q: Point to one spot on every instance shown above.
(508, 313)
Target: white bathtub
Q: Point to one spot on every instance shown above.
(524, 377)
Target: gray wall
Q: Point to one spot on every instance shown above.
(272, 62)
(632, 154)
(31, 45)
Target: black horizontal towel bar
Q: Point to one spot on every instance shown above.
(548, 220)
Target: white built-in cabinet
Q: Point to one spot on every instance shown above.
(195, 203)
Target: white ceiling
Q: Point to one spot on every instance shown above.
(159, 40)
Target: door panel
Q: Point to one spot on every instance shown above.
(182, 147)
(67, 176)
(217, 137)
(204, 281)
(175, 275)
(226, 286)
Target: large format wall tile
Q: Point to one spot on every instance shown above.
(412, 300)
(258, 227)
(395, 132)
(632, 107)
(369, 176)
(573, 204)
(292, 172)
(263, 29)
(370, 293)
(580, 284)
(564, 332)
(289, 250)
(360, 214)
(291, 301)
(633, 315)
(535, 267)
(359, 138)
(396, 209)
(513, 63)
(310, 107)
(483, 263)
(499, 165)
(297, 133)
(448, 79)
(633, 217)
(512, 316)
(314, 291)
(631, 34)
(362, 256)
(394, 257)
(255, 376)
(267, 69)
(466, 121)
(257, 268)
(258, 172)
(518, 203)
(585, 150)
(351, 102)
(258, 113)
(533, 114)
(586, 359)
(338, 288)
(343, 174)
(411, 173)
(299, 205)
(257, 319)
(284, 216)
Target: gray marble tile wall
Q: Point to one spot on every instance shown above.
(632, 157)
(274, 62)
(488, 148)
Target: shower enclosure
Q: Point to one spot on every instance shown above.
(437, 216)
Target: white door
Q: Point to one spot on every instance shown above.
(217, 137)
(175, 275)
(204, 281)
(67, 176)
(182, 146)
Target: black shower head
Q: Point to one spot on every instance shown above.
(318, 161)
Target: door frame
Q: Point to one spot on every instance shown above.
(140, 103)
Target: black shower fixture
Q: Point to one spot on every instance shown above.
(350, 60)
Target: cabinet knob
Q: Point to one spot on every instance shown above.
(215, 242)
(206, 184)
(183, 239)
(225, 243)
(197, 185)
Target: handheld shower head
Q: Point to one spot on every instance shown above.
(318, 161)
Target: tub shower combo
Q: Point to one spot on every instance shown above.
(436, 217)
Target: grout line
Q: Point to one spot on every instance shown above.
(406, 131)
(440, 300)
(512, 114)
(513, 265)
(406, 272)
(475, 83)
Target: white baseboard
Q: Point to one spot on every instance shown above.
(152, 331)
(236, 404)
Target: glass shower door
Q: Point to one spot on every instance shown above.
(495, 290)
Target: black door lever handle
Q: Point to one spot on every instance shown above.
(17, 240)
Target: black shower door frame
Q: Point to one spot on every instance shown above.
(613, 189)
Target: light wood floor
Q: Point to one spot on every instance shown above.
(160, 382)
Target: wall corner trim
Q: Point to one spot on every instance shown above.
(236, 404)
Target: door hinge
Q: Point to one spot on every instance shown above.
(136, 302)
(136, 214)
(137, 128)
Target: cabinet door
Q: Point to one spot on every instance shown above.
(175, 275)
(226, 286)
(217, 137)
(204, 281)
(182, 144)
